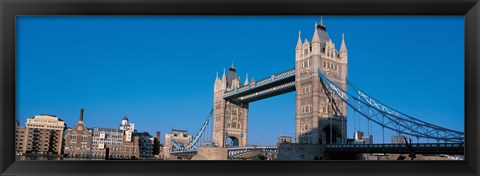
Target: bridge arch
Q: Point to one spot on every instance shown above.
(232, 141)
(336, 134)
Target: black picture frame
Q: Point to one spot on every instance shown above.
(11, 8)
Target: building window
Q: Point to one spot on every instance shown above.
(84, 137)
(74, 136)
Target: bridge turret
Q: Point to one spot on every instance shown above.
(298, 49)
(246, 80)
(316, 41)
(223, 82)
(343, 49)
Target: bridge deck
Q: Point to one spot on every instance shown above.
(437, 148)
(276, 84)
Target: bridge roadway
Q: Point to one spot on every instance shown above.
(421, 148)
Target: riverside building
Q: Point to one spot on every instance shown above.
(43, 134)
(78, 140)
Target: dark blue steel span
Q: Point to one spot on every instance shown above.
(389, 118)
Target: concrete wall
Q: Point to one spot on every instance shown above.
(211, 153)
(301, 152)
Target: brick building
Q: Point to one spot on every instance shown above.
(78, 140)
(43, 135)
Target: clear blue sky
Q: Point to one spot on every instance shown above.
(160, 70)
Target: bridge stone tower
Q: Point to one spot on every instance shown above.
(319, 120)
(229, 118)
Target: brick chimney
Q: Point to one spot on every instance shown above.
(81, 114)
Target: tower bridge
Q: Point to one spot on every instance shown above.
(319, 79)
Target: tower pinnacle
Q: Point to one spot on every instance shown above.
(224, 75)
(321, 21)
(246, 80)
(343, 47)
(232, 67)
(315, 38)
(299, 42)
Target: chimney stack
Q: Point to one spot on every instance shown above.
(81, 114)
(158, 136)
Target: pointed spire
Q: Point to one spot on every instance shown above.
(316, 37)
(343, 47)
(224, 75)
(232, 67)
(216, 77)
(246, 80)
(299, 42)
(321, 21)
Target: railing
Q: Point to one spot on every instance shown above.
(232, 152)
(176, 153)
(419, 148)
(419, 145)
